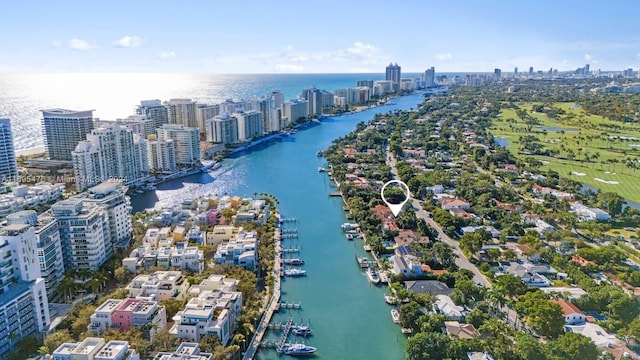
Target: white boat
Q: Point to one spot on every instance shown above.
(390, 299)
(373, 276)
(395, 316)
(294, 261)
(299, 349)
(407, 330)
(349, 236)
(348, 226)
(301, 330)
(295, 272)
(321, 169)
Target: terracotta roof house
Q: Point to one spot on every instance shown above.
(572, 315)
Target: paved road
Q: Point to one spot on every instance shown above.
(511, 316)
(461, 260)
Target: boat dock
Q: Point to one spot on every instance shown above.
(273, 306)
(290, 250)
(285, 334)
(289, 305)
(291, 219)
(335, 194)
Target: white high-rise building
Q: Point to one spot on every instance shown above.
(49, 247)
(139, 124)
(84, 233)
(63, 129)
(382, 87)
(120, 155)
(8, 166)
(222, 129)
(161, 155)
(24, 308)
(182, 112)
(153, 109)
(205, 112)
(86, 165)
(185, 140)
(249, 125)
(111, 195)
(294, 110)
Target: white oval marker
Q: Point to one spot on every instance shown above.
(395, 208)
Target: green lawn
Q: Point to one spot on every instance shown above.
(584, 147)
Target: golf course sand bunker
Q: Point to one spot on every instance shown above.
(610, 182)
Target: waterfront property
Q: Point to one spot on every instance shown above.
(128, 313)
(212, 312)
(93, 348)
(185, 351)
(240, 250)
(159, 286)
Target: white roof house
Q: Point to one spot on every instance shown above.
(445, 306)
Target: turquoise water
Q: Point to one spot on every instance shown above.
(348, 315)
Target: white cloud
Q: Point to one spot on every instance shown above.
(55, 44)
(587, 57)
(289, 68)
(444, 57)
(167, 55)
(128, 42)
(79, 44)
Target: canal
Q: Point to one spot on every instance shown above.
(348, 315)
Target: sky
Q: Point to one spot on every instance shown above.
(327, 36)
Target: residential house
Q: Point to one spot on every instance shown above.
(92, 348)
(586, 213)
(529, 274)
(444, 305)
(124, 314)
(462, 331)
(448, 204)
(572, 315)
(186, 351)
(433, 287)
(159, 286)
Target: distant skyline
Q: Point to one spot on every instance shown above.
(310, 37)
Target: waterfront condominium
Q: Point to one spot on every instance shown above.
(63, 129)
(293, 111)
(314, 98)
(430, 77)
(161, 155)
(182, 111)
(393, 75)
(154, 110)
(222, 129)
(249, 125)
(185, 140)
(205, 112)
(110, 152)
(84, 233)
(24, 308)
(8, 166)
(48, 244)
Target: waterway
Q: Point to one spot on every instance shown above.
(348, 315)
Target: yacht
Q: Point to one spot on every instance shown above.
(395, 316)
(294, 261)
(295, 272)
(321, 169)
(373, 276)
(299, 349)
(349, 236)
(302, 330)
(390, 299)
(319, 153)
